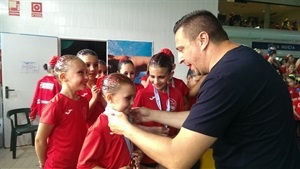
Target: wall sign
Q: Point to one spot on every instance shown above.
(278, 46)
(13, 7)
(36, 9)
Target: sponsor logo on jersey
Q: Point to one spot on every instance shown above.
(69, 111)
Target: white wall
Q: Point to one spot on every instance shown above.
(141, 20)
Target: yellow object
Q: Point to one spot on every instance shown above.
(207, 161)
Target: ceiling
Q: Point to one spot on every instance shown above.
(252, 9)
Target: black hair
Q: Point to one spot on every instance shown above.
(201, 20)
(47, 67)
(101, 62)
(161, 60)
(112, 66)
(124, 62)
(191, 73)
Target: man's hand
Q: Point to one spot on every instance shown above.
(118, 122)
(160, 130)
(141, 114)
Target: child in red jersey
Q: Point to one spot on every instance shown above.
(102, 148)
(92, 92)
(47, 87)
(102, 69)
(292, 86)
(296, 108)
(159, 95)
(127, 68)
(173, 82)
(62, 127)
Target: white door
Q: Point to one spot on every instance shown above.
(23, 57)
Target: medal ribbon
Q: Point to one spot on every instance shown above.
(158, 102)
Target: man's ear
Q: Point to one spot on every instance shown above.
(203, 39)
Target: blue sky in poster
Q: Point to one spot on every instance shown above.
(129, 48)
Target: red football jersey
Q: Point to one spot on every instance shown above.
(66, 139)
(175, 83)
(145, 97)
(47, 87)
(180, 85)
(191, 101)
(103, 148)
(138, 87)
(296, 103)
(293, 92)
(98, 109)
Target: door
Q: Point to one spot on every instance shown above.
(23, 57)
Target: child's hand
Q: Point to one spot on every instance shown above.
(95, 91)
(126, 167)
(31, 118)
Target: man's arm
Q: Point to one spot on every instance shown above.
(181, 151)
(174, 119)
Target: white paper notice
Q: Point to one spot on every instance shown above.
(29, 67)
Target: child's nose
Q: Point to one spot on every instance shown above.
(155, 81)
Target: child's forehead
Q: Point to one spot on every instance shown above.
(79, 64)
(157, 68)
(128, 89)
(102, 66)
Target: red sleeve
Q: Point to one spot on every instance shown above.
(91, 150)
(144, 78)
(51, 112)
(138, 87)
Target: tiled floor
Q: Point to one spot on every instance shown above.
(26, 158)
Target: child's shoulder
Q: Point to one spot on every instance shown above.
(101, 124)
(175, 90)
(148, 89)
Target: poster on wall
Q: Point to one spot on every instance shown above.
(13, 7)
(138, 52)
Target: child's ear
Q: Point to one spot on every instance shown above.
(172, 74)
(109, 97)
(62, 77)
(174, 66)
